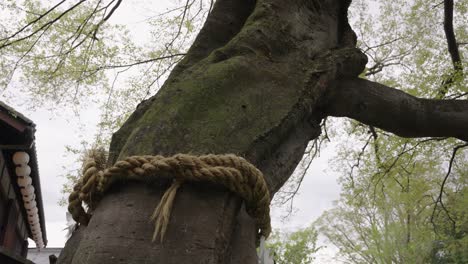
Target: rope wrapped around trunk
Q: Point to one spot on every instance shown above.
(231, 171)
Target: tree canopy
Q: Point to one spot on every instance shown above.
(402, 199)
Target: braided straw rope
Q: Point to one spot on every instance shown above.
(231, 171)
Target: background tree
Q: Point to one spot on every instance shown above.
(296, 247)
(73, 55)
(394, 205)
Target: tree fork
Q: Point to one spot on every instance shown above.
(256, 84)
(219, 101)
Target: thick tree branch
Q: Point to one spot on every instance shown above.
(450, 35)
(224, 22)
(452, 49)
(398, 112)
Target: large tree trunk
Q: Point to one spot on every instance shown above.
(254, 84)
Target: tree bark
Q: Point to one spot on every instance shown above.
(397, 112)
(254, 84)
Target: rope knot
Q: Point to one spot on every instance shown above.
(231, 171)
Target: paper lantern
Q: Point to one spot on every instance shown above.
(21, 157)
(33, 217)
(28, 190)
(30, 204)
(33, 221)
(32, 211)
(28, 198)
(23, 170)
(35, 226)
(24, 181)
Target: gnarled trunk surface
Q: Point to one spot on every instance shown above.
(249, 85)
(255, 83)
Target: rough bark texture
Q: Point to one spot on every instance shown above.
(249, 86)
(253, 84)
(68, 252)
(395, 111)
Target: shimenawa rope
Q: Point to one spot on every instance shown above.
(231, 171)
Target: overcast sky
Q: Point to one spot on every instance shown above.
(316, 194)
(53, 133)
(57, 130)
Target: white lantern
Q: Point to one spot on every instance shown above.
(20, 157)
(28, 198)
(30, 205)
(23, 170)
(24, 181)
(28, 190)
(33, 217)
(24, 193)
(32, 211)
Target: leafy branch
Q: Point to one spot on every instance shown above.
(441, 192)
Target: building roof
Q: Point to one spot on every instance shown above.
(12, 112)
(18, 135)
(17, 130)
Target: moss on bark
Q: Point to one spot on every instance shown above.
(254, 93)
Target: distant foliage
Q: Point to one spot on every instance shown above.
(297, 247)
(403, 200)
(77, 55)
(74, 54)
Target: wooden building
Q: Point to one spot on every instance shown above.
(21, 207)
